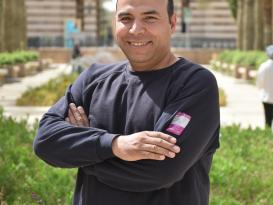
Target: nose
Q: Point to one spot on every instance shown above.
(137, 28)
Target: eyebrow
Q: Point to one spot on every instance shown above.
(151, 12)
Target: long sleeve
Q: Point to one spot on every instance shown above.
(64, 145)
(198, 99)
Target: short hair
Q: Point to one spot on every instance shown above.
(170, 8)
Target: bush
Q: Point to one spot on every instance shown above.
(222, 97)
(25, 179)
(241, 173)
(250, 59)
(17, 57)
(242, 169)
(47, 94)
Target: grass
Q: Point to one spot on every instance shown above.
(47, 94)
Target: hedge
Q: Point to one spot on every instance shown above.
(250, 59)
(17, 57)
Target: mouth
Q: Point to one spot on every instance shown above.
(139, 43)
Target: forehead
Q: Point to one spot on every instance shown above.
(141, 5)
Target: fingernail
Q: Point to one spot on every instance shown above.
(162, 157)
(173, 140)
(171, 154)
(177, 149)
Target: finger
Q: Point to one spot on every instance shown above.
(83, 116)
(72, 120)
(162, 135)
(162, 143)
(151, 155)
(76, 114)
(158, 150)
(67, 119)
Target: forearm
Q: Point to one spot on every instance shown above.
(63, 145)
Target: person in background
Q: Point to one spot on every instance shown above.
(265, 84)
(142, 131)
(76, 55)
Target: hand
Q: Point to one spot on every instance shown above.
(76, 116)
(145, 145)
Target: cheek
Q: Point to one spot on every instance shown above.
(120, 33)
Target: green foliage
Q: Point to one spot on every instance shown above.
(17, 57)
(47, 94)
(233, 7)
(241, 173)
(251, 59)
(25, 179)
(242, 168)
(222, 97)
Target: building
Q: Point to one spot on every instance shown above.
(199, 25)
(207, 25)
(49, 22)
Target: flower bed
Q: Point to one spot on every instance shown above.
(20, 63)
(240, 64)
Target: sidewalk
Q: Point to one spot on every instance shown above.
(11, 91)
(243, 104)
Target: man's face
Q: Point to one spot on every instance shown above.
(143, 30)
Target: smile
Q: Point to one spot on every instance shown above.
(139, 44)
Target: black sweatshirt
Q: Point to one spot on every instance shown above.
(180, 100)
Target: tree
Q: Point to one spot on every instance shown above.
(1, 25)
(248, 26)
(267, 19)
(258, 23)
(233, 7)
(13, 25)
(240, 30)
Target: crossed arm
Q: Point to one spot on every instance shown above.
(138, 146)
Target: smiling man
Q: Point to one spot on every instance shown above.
(142, 131)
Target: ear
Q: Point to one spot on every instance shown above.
(173, 22)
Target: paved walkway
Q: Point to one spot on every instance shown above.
(243, 106)
(11, 91)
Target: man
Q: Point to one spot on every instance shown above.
(264, 83)
(154, 119)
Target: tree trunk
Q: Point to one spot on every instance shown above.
(14, 25)
(240, 23)
(1, 25)
(267, 15)
(248, 37)
(259, 34)
(21, 26)
(98, 20)
(272, 19)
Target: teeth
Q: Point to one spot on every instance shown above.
(138, 44)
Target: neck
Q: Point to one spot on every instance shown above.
(164, 63)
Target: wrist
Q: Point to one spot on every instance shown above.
(115, 145)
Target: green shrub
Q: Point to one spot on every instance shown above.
(25, 179)
(241, 173)
(242, 168)
(17, 57)
(47, 94)
(222, 97)
(251, 59)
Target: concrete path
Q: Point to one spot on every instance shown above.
(243, 106)
(11, 91)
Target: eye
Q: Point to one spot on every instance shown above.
(125, 19)
(150, 18)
